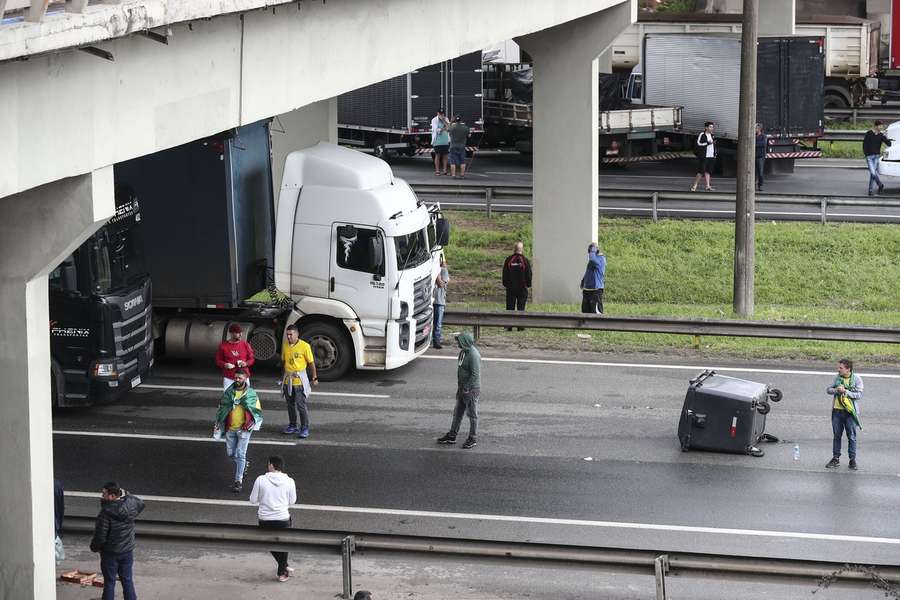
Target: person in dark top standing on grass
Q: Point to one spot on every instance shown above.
(114, 539)
(459, 133)
(468, 390)
(761, 144)
(872, 149)
(516, 279)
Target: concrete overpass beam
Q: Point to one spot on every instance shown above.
(777, 17)
(40, 227)
(566, 153)
(301, 128)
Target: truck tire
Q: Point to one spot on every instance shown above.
(331, 348)
(834, 100)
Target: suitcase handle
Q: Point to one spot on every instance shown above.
(699, 379)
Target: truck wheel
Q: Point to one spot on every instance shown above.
(331, 348)
(834, 101)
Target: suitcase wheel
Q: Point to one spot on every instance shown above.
(763, 408)
(774, 395)
(754, 451)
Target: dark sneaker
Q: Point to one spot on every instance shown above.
(833, 464)
(880, 188)
(852, 464)
(303, 434)
(236, 487)
(436, 345)
(470, 443)
(290, 429)
(447, 439)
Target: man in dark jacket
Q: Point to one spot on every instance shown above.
(468, 376)
(516, 279)
(872, 149)
(114, 539)
(761, 141)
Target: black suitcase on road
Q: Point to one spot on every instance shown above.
(725, 414)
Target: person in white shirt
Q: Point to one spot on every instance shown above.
(274, 493)
(706, 156)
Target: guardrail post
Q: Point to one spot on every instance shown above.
(696, 342)
(854, 116)
(476, 332)
(655, 201)
(488, 201)
(348, 546)
(660, 568)
(824, 210)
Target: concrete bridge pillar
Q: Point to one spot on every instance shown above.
(301, 128)
(39, 228)
(566, 149)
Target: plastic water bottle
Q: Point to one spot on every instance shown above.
(796, 451)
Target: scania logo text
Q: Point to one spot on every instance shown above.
(129, 304)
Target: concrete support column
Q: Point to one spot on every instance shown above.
(777, 17)
(39, 228)
(301, 128)
(566, 153)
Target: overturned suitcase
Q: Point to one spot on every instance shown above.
(726, 414)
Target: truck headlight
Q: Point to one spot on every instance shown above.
(103, 369)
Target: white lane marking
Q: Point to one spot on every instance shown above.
(830, 537)
(771, 213)
(203, 388)
(508, 172)
(585, 363)
(179, 438)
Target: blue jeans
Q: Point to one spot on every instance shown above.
(842, 421)
(117, 564)
(236, 442)
(438, 326)
(872, 163)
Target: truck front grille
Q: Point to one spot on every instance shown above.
(422, 310)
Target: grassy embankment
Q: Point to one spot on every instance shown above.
(842, 273)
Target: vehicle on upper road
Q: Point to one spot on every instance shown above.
(348, 254)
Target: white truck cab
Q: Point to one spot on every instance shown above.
(889, 164)
(353, 251)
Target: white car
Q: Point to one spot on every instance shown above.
(889, 164)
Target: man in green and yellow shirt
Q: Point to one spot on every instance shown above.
(296, 358)
(847, 390)
(239, 415)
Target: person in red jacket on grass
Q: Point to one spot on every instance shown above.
(234, 353)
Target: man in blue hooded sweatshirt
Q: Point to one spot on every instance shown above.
(593, 281)
(468, 376)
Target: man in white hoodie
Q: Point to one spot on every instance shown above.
(274, 493)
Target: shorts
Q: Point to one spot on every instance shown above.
(458, 155)
(705, 165)
(441, 150)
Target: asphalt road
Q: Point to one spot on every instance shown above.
(371, 463)
(514, 169)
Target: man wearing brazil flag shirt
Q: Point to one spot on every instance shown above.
(847, 390)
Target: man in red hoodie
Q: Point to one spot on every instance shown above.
(234, 353)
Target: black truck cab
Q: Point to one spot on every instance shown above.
(101, 342)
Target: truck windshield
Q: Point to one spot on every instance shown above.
(412, 249)
(115, 260)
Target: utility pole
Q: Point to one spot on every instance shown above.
(745, 209)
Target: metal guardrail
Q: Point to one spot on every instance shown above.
(866, 113)
(693, 327)
(842, 135)
(658, 563)
(492, 193)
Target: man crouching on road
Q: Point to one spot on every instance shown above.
(239, 415)
(468, 375)
(114, 539)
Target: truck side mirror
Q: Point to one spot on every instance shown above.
(376, 254)
(442, 232)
